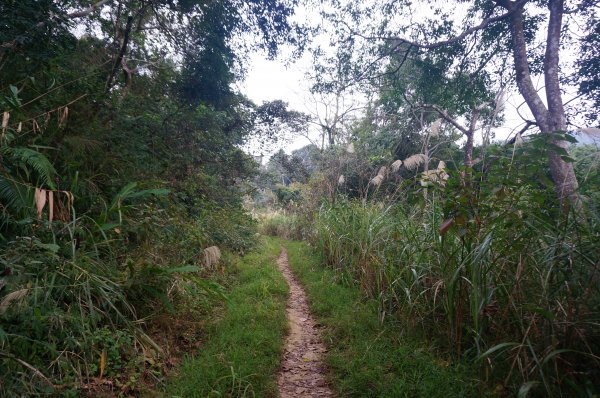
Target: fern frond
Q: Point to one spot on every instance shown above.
(13, 195)
(30, 159)
(81, 144)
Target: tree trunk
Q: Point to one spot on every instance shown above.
(563, 172)
(552, 119)
(470, 133)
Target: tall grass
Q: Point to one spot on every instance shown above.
(241, 354)
(77, 298)
(506, 286)
(282, 224)
(365, 356)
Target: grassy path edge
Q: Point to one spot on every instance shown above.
(366, 358)
(244, 342)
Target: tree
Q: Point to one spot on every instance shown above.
(588, 64)
(494, 29)
(332, 113)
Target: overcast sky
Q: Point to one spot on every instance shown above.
(272, 80)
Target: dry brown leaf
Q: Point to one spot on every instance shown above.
(50, 206)
(446, 226)
(40, 202)
(5, 118)
(102, 363)
(212, 255)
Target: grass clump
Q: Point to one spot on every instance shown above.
(245, 338)
(367, 357)
(510, 291)
(282, 224)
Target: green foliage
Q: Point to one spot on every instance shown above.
(282, 224)
(245, 339)
(587, 167)
(491, 271)
(367, 357)
(136, 146)
(28, 165)
(589, 66)
(287, 195)
(228, 226)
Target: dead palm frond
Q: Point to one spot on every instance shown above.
(212, 255)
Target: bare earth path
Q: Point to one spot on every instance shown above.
(302, 373)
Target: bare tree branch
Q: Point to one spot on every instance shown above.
(76, 14)
(397, 41)
(444, 114)
(87, 11)
(121, 52)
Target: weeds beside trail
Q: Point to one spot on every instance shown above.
(367, 358)
(244, 343)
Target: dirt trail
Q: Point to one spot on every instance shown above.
(302, 373)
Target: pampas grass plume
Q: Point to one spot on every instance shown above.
(435, 127)
(414, 161)
(377, 180)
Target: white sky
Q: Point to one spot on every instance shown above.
(273, 80)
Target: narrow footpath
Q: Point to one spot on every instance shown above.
(302, 373)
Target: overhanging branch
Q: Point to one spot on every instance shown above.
(75, 14)
(87, 11)
(514, 6)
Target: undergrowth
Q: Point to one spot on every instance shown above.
(512, 292)
(244, 338)
(280, 223)
(368, 356)
(485, 264)
(75, 315)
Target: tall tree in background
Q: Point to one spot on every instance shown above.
(494, 30)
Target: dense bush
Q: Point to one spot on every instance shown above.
(491, 272)
(283, 224)
(119, 165)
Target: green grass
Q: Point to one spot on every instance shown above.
(367, 358)
(245, 341)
